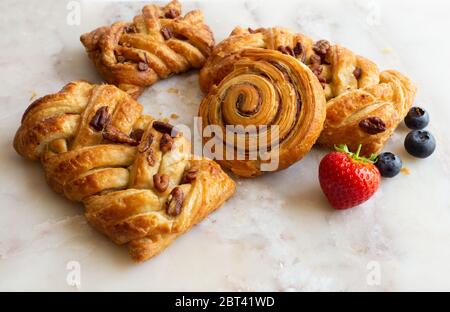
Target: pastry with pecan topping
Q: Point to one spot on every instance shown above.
(97, 148)
(355, 90)
(160, 42)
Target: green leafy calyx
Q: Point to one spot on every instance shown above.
(355, 156)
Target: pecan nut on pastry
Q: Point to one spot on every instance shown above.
(271, 92)
(97, 148)
(354, 88)
(158, 43)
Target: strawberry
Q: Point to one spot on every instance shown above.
(348, 179)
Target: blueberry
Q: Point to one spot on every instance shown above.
(388, 164)
(420, 143)
(417, 118)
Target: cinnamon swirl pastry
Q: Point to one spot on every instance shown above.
(160, 42)
(135, 175)
(364, 106)
(277, 106)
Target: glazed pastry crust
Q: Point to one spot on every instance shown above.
(388, 101)
(269, 89)
(353, 86)
(111, 169)
(157, 44)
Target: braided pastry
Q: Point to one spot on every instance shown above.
(265, 88)
(136, 177)
(157, 44)
(364, 106)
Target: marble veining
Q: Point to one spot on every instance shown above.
(278, 232)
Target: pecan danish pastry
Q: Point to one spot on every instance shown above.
(265, 89)
(160, 42)
(363, 105)
(136, 177)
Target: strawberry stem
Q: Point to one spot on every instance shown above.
(358, 150)
(355, 156)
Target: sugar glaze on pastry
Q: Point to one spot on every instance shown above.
(270, 89)
(135, 175)
(363, 105)
(160, 42)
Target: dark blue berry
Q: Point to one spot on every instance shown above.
(388, 164)
(417, 118)
(420, 143)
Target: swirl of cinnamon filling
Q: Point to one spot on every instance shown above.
(268, 107)
(356, 91)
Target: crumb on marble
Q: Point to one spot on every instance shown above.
(405, 171)
(174, 116)
(173, 90)
(387, 50)
(33, 96)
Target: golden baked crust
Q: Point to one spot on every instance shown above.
(136, 177)
(265, 88)
(368, 115)
(352, 84)
(157, 44)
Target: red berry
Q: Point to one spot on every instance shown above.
(348, 180)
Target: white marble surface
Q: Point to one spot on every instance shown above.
(278, 232)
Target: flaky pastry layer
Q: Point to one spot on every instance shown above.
(158, 43)
(135, 175)
(279, 105)
(364, 106)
